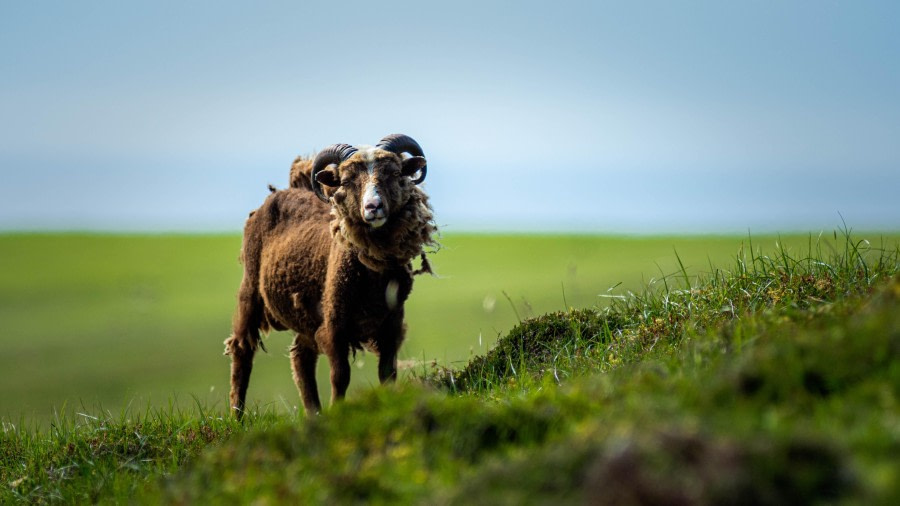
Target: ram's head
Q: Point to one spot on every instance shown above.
(366, 183)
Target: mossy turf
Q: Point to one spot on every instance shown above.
(773, 382)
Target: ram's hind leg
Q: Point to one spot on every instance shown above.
(303, 362)
(241, 366)
(242, 346)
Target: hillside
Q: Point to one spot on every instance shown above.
(771, 381)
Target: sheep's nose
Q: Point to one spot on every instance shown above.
(374, 204)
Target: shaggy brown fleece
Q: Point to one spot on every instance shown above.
(410, 230)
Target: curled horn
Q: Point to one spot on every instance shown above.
(336, 153)
(399, 143)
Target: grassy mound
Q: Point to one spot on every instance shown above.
(806, 411)
(774, 383)
(634, 325)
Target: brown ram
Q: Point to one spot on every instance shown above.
(330, 258)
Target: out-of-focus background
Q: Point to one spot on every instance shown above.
(595, 120)
(630, 117)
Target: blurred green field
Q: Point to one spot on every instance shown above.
(103, 321)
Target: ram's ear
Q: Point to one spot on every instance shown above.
(328, 177)
(412, 165)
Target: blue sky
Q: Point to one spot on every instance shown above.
(626, 117)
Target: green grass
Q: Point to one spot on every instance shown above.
(97, 322)
(772, 380)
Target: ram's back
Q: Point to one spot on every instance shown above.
(285, 254)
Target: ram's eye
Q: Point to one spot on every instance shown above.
(396, 173)
(346, 182)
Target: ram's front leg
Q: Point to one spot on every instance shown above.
(303, 362)
(333, 343)
(387, 366)
(389, 339)
(339, 310)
